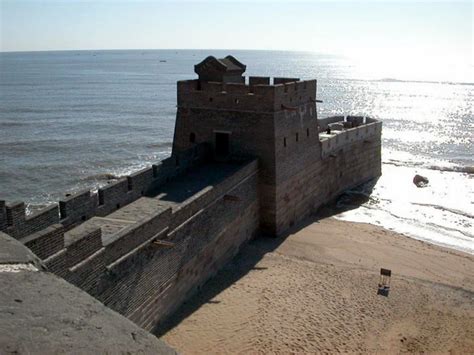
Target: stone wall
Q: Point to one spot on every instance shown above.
(251, 134)
(341, 139)
(151, 283)
(322, 181)
(137, 276)
(254, 97)
(80, 206)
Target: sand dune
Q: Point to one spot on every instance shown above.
(315, 291)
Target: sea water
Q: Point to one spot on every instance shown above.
(72, 120)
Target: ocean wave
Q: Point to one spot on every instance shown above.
(449, 168)
(7, 124)
(443, 208)
(457, 169)
(393, 80)
(450, 229)
(101, 176)
(160, 145)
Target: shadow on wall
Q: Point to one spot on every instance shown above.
(249, 256)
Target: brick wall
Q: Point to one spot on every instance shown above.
(324, 180)
(18, 224)
(145, 281)
(46, 242)
(80, 206)
(160, 278)
(258, 96)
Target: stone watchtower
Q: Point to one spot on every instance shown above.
(276, 122)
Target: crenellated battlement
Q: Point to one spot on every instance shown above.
(80, 206)
(94, 254)
(257, 95)
(345, 131)
(15, 221)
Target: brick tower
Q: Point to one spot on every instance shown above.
(276, 122)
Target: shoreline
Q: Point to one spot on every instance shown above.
(412, 236)
(315, 290)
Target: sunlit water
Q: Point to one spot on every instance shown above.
(69, 118)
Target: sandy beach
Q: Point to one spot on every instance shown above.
(316, 291)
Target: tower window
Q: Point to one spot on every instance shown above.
(284, 142)
(297, 137)
(307, 132)
(192, 137)
(210, 99)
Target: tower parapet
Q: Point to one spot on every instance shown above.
(258, 95)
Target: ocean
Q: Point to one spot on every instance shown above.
(74, 119)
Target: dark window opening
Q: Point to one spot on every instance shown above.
(210, 99)
(192, 137)
(284, 142)
(118, 205)
(83, 218)
(236, 101)
(222, 145)
(307, 132)
(297, 137)
(198, 85)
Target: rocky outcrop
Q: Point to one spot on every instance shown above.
(420, 181)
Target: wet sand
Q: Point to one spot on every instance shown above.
(316, 291)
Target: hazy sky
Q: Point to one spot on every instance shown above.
(439, 29)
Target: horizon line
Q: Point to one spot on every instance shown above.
(167, 49)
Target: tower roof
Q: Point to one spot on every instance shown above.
(212, 67)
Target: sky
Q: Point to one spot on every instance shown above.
(431, 30)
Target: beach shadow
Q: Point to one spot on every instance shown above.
(254, 251)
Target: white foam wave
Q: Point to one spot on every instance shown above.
(440, 213)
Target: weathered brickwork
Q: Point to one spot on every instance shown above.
(321, 182)
(46, 242)
(80, 206)
(145, 281)
(247, 159)
(160, 278)
(277, 123)
(18, 224)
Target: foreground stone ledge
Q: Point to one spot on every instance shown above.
(43, 314)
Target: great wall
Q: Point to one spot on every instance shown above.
(249, 158)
